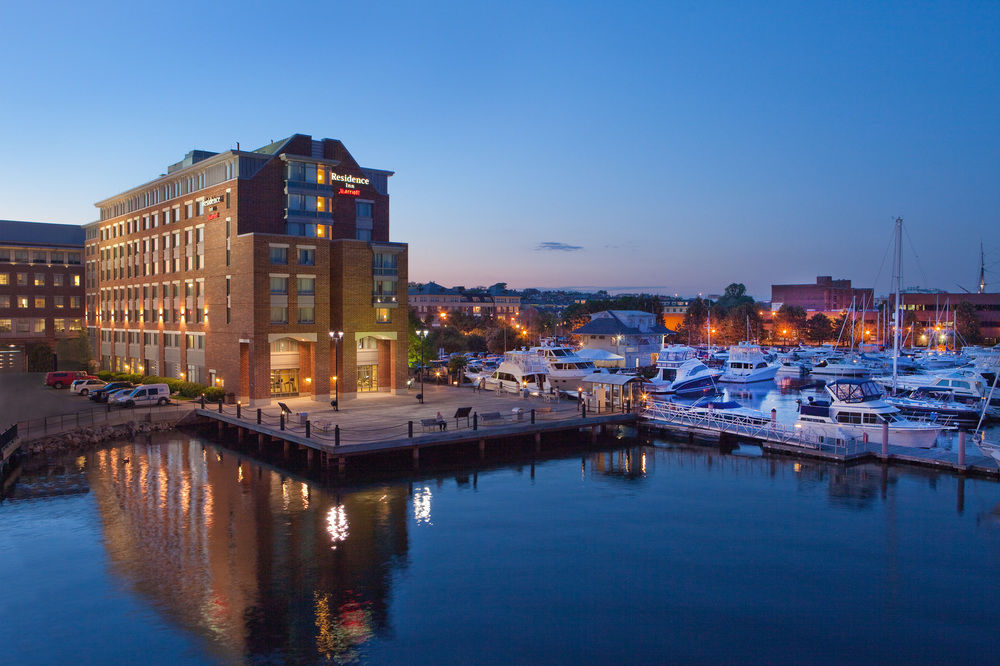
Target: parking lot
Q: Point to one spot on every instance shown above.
(24, 396)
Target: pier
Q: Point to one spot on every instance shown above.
(784, 439)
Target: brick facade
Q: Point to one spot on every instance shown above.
(281, 267)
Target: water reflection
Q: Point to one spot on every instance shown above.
(255, 561)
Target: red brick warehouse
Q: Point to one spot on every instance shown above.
(240, 269)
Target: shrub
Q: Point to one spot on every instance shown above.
(105, 375)
(214, 393)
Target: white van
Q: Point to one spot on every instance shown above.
(143, 396)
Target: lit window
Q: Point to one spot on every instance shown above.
(39, 301)
(382, 315)
(76, 280)
(39, 279)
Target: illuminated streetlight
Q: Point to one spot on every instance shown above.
(422, 334)
(336, 337)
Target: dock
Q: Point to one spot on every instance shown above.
(783, 439)
(398, 425)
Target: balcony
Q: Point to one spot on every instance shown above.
(385, 272)
(384, 300)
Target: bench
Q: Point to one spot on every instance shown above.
(430, 424)
(490, 418)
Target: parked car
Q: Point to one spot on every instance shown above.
(141, 396)
(112, 395)
(85, 386)
(64, 378)
(101, 394)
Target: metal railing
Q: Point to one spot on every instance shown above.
(753, 427)
(325, 430)
(104, 415)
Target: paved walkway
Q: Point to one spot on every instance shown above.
(385, 416)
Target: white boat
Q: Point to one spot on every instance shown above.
(856, 409)
(563, 367)
(679, 372)
(988, 448)
(840, 367)
(747, 363)
(519, 370)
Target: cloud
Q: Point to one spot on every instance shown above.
(558, 247)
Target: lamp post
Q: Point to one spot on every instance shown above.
(336, 336)
(422, 334)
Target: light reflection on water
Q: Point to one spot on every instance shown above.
(690, 553)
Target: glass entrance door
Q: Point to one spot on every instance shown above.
(367, 378)
(285, 382)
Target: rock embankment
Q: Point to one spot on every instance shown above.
(87, 438)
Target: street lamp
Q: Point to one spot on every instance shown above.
(422, 334)
(336, 337)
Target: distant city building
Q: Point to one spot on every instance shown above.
(634, 335)
(827, 295)
(674, 309)
(432, 299)
(41, 287)
(934, 309)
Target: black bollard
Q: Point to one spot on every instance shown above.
(409, 427)
(336, 435)
(475, 420)
(282, 418)
(239, 414)
(532, 416)
(308, 431)
(583, 409)
(220, 405)
(258, 416)
(203, 401)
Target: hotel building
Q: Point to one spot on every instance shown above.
(267, 272)
(41, 287)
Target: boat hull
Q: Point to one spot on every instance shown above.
(913, 437)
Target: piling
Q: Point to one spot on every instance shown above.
(961, 449)
(482, 449)
(885, 440)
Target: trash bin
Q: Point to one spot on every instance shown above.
(518, 413)
(303, 417)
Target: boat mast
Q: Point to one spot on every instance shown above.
(898, 276)
(982, 270)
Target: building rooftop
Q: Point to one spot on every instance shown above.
(613, 325)
(42, 234)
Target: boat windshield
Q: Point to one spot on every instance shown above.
(856, 391)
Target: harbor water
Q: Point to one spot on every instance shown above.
(176, 549)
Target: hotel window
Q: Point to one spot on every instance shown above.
(37, 325)
(58, 258)
(195, 341)
(57, 279)
(4, 301)
(307, 257)
(279, 285)
(39, 279)
(38, 258)
(4, 255)
(4, 278)
(58, 325)
(364, 235)
(20, 256)
(73, 258)
(279, 255)
(5, 326)
(306, 286)
(363, 209)
(22, 279)
(76, 280)
(307, 315)
(279, 315)
(383, 316)
(39, 301)
(188, 209)
(58, 301)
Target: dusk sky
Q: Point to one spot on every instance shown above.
(668, 146)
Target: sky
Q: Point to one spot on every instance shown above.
(675, 147)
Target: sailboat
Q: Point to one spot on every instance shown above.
(989, 448)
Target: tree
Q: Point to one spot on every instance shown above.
(967, 323)
(733, 327)
(457, 365)
(819, 328)
(734, 295)
(692, 329)
(790, 318)
(74, 353)
(39, 357)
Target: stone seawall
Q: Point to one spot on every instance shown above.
(87, 438)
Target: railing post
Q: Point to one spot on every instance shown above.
(203, 401)
(282, 417)
(532, 416)
(475, 420)
(336, 435)
(238, 411)
(220, 406)
(307, 429)
(258, 416)
(409, 429)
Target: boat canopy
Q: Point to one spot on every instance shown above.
(855, 390)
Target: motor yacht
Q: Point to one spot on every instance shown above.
(564, 369)
(936, 404)
(747, 363)
(519, 370)
(856, 409)
(680, 372)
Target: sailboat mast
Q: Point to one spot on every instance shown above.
(895, 317)
(982, 269)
